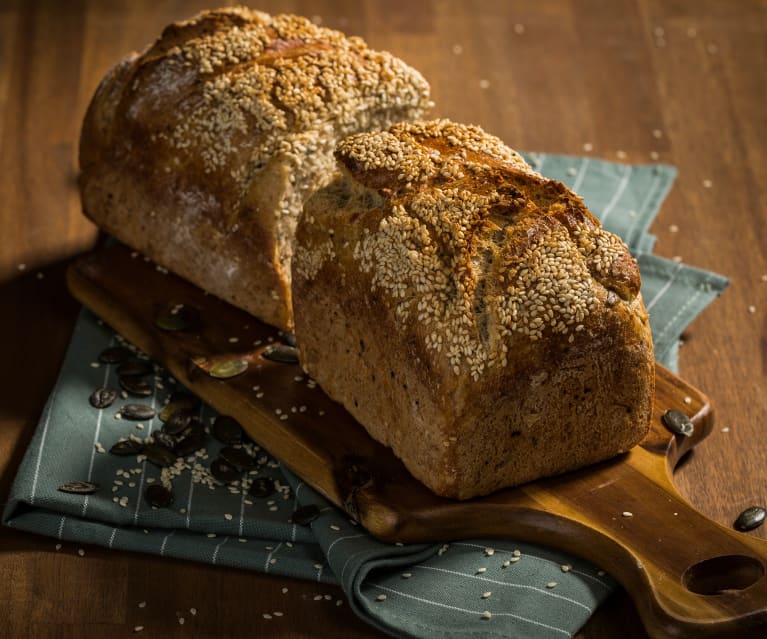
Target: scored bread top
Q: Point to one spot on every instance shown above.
(470, 245)
(218, 95)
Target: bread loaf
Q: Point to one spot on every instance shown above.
(201, 151)
(469, 313)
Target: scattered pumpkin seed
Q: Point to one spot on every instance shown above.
(178, 422)
(237, 457)
(115, 355)
(134, 385)
(750, 518)
(223, 471)
(281, 353)
(136, 367)
(102, 397)
(158, 496)
(137, 412)
(677, 422)
(127, 448)
(79, 487)
(227, 430)
(223, 366)
(262, 487)
(159, 454)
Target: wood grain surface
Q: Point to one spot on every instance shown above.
(631, 78)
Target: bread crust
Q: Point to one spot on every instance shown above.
(200, 151)
(469, 313)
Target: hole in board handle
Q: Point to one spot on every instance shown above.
(722, 575)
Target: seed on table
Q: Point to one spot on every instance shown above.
(281, 353)
(178, 401)
(79, 487)
(237, 457)
(223, 471)
(189, 444)
(158, 496)
(178, 422)
(137, 412)
(261, 487)
(102, 397)
(135, 367)
(134, 385)
(750, 518)
(227, 430)
(305, 515)
(677, 422)
(159, 455)
(115, 355)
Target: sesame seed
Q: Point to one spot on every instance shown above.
(381, 597)
(228, 516)
(752, 309)
(407, 575)
(673, 228)
(588, 147)
(726, 429)
(486, 595)
(21, 267)
(519, 29)
(58, 546)
(621, 155)
(687, 399)
(481, 570)
(602, 573)
(707, 184)
(516, 553)
(484, 84)
(654, 155)
(712, 48)
(457, 49)
(551, 584)
(81, 552)
(284, 591)
(487, 614)
(266, 615)
(181, 621)
(627, 513)
(142, 604)
(489, 552)
(566, 567)
(138, 628)
(193, 611)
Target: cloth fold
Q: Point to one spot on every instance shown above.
(480, 587)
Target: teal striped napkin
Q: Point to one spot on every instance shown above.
(478, 587)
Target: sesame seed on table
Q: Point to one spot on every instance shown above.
(629, 81)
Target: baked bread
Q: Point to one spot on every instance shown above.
(201, 151)
(469, 313)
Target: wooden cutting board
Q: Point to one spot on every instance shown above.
(688, 576)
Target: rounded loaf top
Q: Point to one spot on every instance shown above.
(216, 96)
(476, 248)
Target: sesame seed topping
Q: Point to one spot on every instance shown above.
(627, 513)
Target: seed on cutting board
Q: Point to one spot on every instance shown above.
(223, 471)
(136, 367)
(237, 457)
(750, 518)
(115, 355)
(177, 317)
(226, 368)
(134, 385)
(79, 487)
(677, 422)
(158, 496)
(177, 401)
(262, 487)
(102, 397)
(178, 422)
(137, 412)
(305, 515)
(227, 430)
(159, 455)
(281, 353)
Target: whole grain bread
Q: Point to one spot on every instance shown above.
(200, 151)
(469, 313)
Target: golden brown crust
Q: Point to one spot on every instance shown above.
(509, 322)
(215, 135)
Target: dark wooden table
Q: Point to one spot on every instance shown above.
(681, 82)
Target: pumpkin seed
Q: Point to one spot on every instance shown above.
(177, 317)
(228, 368)
(237, 457)
(305, 515)
(135, 385)
(115, 355)
(223, 471)
(750, 518)
(281, 353)
(126, 448)
(137, 412)
(159, 455)
(178, 422)
(135, 367)
(102, 397)
(262, 487)
(79, 487)
(227, 430)
(190, 444)
(178, 401)
(677, 422)
(158, 496)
